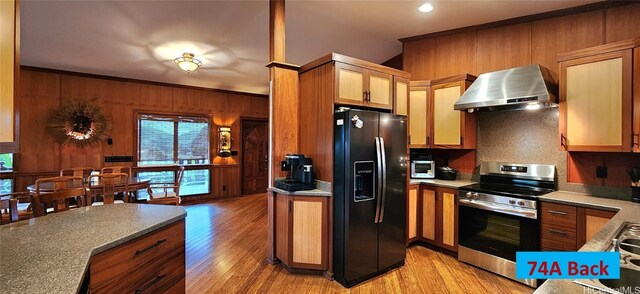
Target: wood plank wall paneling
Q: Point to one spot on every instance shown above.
(419, 58)
(538, 41)
(456, 54)
(285, 104)
(42, 92)
(313, 102)
(563, 34)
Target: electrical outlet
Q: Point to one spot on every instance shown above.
(601, 172)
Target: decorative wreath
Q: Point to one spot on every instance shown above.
(79, 122)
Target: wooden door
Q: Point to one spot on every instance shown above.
(447, 122)
(419, 115)
(595, 102)
(380, 87)
(401, 90)
(449, 215)
(350, 84)
(309, 223)
(412, 214)
(429, 230)
(255, 144)
(590, 222)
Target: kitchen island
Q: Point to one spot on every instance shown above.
(628, 212)
(53, 253)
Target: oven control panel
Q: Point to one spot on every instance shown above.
(475, 196)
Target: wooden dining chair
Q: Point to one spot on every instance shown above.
(58, 194)
(19, 207)
(170, 192)
(83, 172)
(116, 169)
(107, 186)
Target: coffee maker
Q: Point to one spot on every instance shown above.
(299, 173)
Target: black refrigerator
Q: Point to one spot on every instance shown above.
(369, 194)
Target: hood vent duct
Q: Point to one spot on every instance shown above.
(528, 87)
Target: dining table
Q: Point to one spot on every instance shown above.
(95, 187)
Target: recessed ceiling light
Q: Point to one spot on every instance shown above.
(425, 7)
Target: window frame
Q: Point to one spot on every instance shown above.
(175, 116)
(173, 167)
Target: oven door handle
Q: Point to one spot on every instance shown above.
(528, 213)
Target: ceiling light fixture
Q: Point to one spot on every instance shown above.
(425, 7)
(187, 62)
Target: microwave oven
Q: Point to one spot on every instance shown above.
(423, 169)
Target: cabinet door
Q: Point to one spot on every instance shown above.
(418, 117)
(7, 70)
(447, 122)
(412, 215)
(591, 222)
(429, 219)
(380, 87)
(595, 102)
(309, 232)
(401, 89)
(350, 84)
(449, 203)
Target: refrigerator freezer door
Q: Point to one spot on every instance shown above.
(355, 230)
(392, 226)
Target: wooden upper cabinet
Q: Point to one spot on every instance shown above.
(350, 84)
(451, 128)
(596, 99)
(418, 113)
(361, 86)
(8, 72)
(401, 89)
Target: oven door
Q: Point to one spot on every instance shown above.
(497, 232)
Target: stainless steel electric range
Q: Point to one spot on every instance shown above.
(499, 215)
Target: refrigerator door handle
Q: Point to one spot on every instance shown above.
(383, 156)
(378, 180)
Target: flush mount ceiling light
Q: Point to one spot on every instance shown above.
(425, 7)
(187, 62)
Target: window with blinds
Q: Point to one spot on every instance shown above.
(165, 140)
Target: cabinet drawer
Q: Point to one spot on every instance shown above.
(559, 215)
(559, 238)
(133, 256)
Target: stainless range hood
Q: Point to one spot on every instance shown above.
(527, 87)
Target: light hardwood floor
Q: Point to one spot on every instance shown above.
(226, 247)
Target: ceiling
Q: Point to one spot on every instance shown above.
(140, 39)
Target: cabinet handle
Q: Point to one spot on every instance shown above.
(138, 252)
(368, 96)
(557, 212)
(290, 206)
(461, 141)
(428, 140)
(409, 139)
(563, 141)
(563, 233)
(148, 285)
(634, 141)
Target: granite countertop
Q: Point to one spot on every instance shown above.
(323, 189)
(50, 254)
(627, 212)
(455, 184)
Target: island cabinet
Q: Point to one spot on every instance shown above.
(153, 263)
(9, 71)
(596, 98)
(436, 216)
(567, 227)
(301, 234)
(433, 122)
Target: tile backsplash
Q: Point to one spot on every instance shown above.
(532, 137)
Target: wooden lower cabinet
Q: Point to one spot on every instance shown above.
(567, 227)
(412, 213)
(302, 231)
(436, 211)
(153, 263)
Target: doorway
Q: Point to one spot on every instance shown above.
(255, 156)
